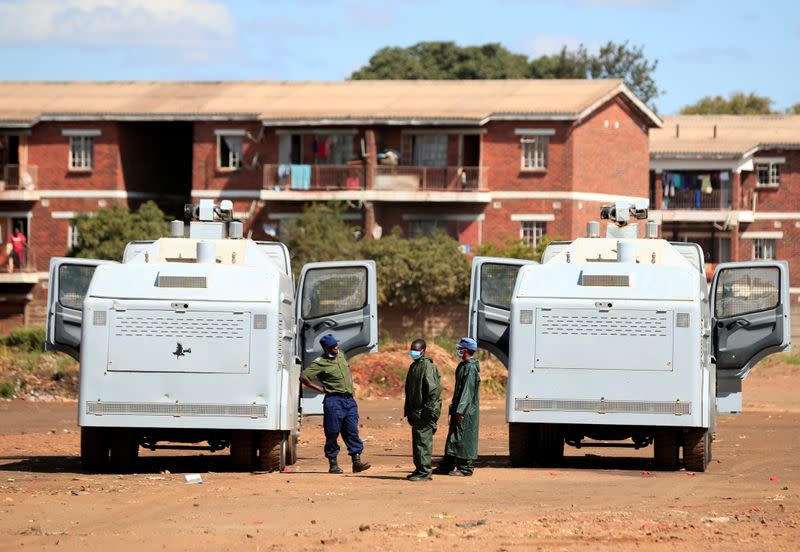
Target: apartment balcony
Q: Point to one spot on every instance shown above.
(696, 199)
(390, 183)
(696, 206)
(25, 274)
(19, 183)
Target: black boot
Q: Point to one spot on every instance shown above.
(334, 466)
(358, 465)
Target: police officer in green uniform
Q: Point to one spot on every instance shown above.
(461, 447)
(422, 408)
(339, 408)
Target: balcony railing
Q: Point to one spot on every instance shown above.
(313, 177)
(696, 199)
(410, 178)
(20, 177)
(390, 178)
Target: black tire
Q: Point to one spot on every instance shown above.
(94, 449)
(272, 450)
(291, 449)
(551, 445)
(666, 449)
(124, 450)
(243, 450)
(520, 437)
(696, 449)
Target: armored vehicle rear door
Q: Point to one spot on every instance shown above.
(69, 280)
(491, 288)
(340, 298)
(751, 319)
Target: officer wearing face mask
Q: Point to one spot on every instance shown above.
(422, 408)
(461, 447)
(339, 408)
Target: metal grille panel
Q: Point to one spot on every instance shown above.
(99, 318)
(526, 316)
(184, 327)
(605, 280)
(176, 409)
(678, 408)
(682, 320)
(585, 324)
(744, 290)
(167, 281)
(260, 322)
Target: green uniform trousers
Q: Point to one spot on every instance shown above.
(422, 446)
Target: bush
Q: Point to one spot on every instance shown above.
(514, 249)
(8, 390)
(26, 338)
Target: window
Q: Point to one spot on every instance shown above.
(81, 152)
(332, 149)
(763, 249)
(534, 152)
(229, 146)
(531, 232)
(426, 228)
(73, 236)
(430, 150)
(769, 174)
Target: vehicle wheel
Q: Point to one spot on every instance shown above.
(291, 449)
(696, 449)
(124, 450)
(551, 445)
(272, 450)
(94, 449)
(243, 450)
(520, 441)
(665, 449)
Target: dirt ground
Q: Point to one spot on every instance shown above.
(606, 499)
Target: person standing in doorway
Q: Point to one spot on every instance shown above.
(422, 408)
(339, 408)
(461, 447)
(17, 254)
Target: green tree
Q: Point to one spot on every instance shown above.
(447, 60)
(738, 103)
(320, 234)
(443, 60)
(512, 248)
(104, 234)
(794, 110)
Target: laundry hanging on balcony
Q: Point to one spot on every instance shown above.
(301, 177)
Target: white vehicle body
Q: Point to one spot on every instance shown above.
(616, 339)
(202, 339)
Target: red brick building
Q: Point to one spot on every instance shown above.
(730, 183)
(480, 159)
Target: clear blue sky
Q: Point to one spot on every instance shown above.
(703, 47)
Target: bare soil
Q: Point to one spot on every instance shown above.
(602, 498)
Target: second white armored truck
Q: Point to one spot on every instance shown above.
(620, 338)
(200, 337)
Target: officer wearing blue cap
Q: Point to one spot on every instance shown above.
(461, 446)
(339, 408)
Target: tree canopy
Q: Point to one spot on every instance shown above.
(447, 60)
(794, 110)
(738, 103)
(105, 234)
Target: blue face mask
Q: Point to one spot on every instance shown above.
(415, 354)
(459, 353)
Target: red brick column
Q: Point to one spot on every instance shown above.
(736, 190)
(658, 198)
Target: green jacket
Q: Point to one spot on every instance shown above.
(423, 392)
(462, 438)
(333, 374)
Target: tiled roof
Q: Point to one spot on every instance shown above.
(474, 101)
(723, 135)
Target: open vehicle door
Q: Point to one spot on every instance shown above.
(751, 319)
(69, 280)
(491, 288)
(339, 298)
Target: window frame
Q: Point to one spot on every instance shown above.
(762, 245)
(541, 146)
(535, 224)
(84, 142)
(773, 171)
(234, 163)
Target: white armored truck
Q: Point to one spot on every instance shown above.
(199, 338)
(619, 338)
